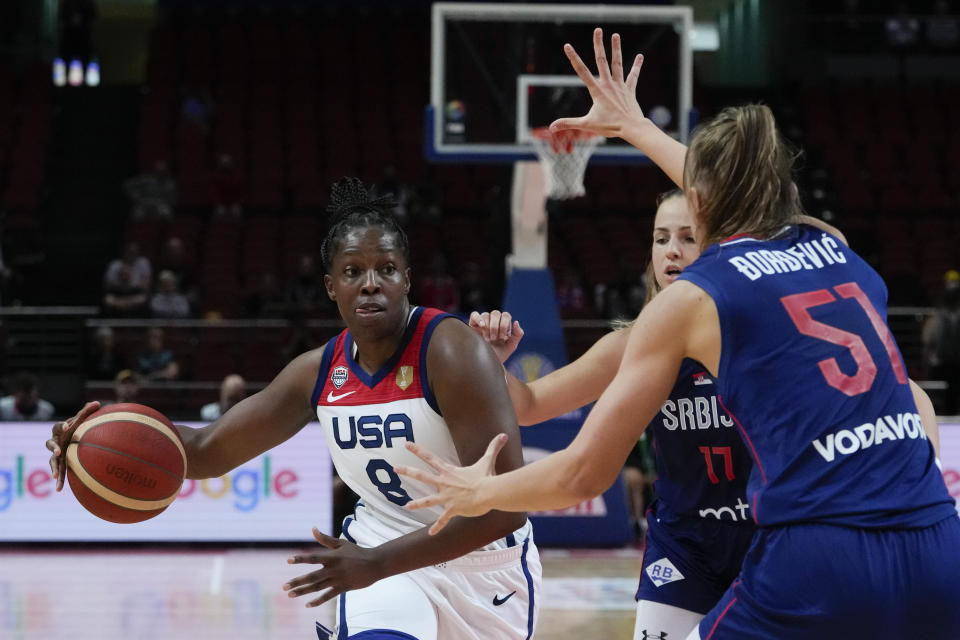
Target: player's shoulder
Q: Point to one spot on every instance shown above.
(684, 296)
(448, 333)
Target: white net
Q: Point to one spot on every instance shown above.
(564, 156)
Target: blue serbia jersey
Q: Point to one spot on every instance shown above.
(702, 465)
(810, 373)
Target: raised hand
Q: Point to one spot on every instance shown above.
(57, 444)
(343, 566)
(458, 488)
(614, 97)
(499, 329)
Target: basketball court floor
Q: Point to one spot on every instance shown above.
(235, 594)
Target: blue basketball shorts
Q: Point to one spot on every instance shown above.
(690, 562)
(825, 581)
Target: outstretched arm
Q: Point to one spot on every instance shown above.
(255, 424)
(680, 322)
(616, 113)
(570, 387)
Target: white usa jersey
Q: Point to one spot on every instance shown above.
(368, 418)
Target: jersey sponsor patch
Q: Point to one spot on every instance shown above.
(663, 572)
(847, 441)
(339, 376)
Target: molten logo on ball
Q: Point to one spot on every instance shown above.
(131, 477)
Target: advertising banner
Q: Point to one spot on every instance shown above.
(278, 496)
(950, 457)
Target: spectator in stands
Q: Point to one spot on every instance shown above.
(25, 403)
(903, 30)
(306, 292)
(174, 258)
(943, 32)
(227, 187)
(103, 359)
(438, 289)
(123, 297)
(233, 389)
(126, 386)
(941, 342)
(152, 194)
(168, 301)
(264, 299)
(156, 362)
(138, 265)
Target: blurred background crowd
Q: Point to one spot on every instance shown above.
(161, 213)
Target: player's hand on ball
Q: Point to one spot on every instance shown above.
(459, 489)
(57, 444)
(343, 566)
(614, 97)
(499, 329)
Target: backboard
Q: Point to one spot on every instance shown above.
(498, 71)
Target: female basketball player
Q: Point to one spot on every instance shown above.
(397, 373)
(699, 528)
(858, 535)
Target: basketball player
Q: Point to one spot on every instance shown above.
(699, 527)
(395, 374)
(858, 535)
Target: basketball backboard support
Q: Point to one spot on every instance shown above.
(498, 71)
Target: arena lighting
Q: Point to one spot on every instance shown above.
(93, 73)
(75, 75)
(704, 37)
(59, 72)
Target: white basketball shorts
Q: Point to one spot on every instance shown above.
(484, 594)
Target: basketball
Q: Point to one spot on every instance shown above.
(126, 463)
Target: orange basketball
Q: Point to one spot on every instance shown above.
(126, 463)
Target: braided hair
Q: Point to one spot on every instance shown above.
(354, 206)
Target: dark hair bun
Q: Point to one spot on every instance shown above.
(350, 194)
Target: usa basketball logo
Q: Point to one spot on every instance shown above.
(339, 376)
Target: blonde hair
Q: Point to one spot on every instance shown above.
(651, 286)
(742, 170)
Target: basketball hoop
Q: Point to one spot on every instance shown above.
(564, 156)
